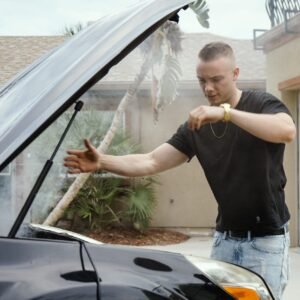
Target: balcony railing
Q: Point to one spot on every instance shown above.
(280, 11)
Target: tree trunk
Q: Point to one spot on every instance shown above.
(74, 188)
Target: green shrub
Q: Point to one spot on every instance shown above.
(113, 201)
(141, 203)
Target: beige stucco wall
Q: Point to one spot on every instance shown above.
(283, 63)
(184, 197)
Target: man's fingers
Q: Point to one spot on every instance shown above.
(74, 171)
(198, 124)
(89, 145)
(71, 164)
(191, 125)
(75, 152)
(194, 123)
(71, 158)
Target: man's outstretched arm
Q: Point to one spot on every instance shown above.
(160, 159)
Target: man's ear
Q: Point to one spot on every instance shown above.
(236, 73)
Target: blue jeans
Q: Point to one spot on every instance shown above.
(267, 256)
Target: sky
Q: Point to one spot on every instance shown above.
(230, 18)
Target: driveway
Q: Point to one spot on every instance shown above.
(200, 246)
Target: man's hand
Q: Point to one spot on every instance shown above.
(204, 114)
(83, 161)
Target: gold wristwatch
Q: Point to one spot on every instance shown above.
(226, 107)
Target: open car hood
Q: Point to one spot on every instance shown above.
(32, 100)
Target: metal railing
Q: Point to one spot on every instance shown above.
(280, 11)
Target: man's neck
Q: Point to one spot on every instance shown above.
(236, 98)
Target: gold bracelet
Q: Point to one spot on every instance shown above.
(227, 108)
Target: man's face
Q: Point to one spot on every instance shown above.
(217, 79)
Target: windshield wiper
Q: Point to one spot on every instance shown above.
(41, 177)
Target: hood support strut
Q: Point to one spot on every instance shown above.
(41, 177)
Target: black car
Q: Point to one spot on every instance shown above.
(43, 262)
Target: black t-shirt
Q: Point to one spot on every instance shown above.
(244, 172)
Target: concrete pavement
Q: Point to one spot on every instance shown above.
(200, 246)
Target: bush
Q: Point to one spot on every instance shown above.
(113, 201)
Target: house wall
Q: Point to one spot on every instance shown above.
(283, 63)
(184, 197)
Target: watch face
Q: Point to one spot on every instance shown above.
(226, 107)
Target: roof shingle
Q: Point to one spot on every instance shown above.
(18, 52)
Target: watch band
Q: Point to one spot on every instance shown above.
(227, 108)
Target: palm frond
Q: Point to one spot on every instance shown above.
(201, 10)
(153, 46)
(167, 89)
(73, 29)
(140, 206)
(174, 36)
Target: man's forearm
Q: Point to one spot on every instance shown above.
(275, 128)
(160, 159)
(132, 165)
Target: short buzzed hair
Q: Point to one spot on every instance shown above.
(215, 50)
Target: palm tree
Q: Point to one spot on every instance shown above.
(72, 30)
(161, 48)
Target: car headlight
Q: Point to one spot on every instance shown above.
(237, 281)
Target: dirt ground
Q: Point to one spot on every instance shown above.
(132, 237)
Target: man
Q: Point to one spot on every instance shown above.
(239, 141)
